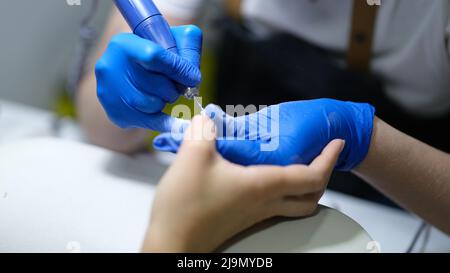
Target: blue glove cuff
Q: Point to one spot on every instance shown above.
(358, 136)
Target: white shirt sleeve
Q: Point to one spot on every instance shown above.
(180, 9)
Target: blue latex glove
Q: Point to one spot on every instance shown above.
(136, 78)
(290, 133)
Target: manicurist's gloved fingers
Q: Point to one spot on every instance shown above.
(189, 42)
(244, 127)
(158, 122)
(155, 58)
(134, 98)
(158, 84)
(144, 103)
(164, 123)
(174, 67)
(168, 142)
(233, 150)
(228, 127)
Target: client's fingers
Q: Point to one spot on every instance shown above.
(199, 138)
(276, 182)
(326, 161)
(317, 175)
(298, 206)
(296, 180)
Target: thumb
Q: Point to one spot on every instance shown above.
(189, 42)
(155, 58)
(163, 123)
(199, 142)
(176, 68)
(200, 134)
(326, 161)
(184, 67)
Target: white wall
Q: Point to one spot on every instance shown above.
(37, 39)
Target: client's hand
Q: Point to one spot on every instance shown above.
(203, 200)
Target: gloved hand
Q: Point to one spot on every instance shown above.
(289, 133)
(136, 78)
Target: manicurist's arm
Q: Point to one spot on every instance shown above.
(415, 175)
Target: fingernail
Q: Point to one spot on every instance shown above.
(198, 119)
(343, 144)
(211, 131)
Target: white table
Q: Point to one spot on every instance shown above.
(61, 195)
(18, 121)
(391, 228)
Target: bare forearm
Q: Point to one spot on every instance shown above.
(99, 130)
(412, 173)
(93, 119)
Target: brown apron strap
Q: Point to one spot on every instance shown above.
(233, 8)
(362, 34)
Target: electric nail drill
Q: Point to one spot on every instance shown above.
(147, 22)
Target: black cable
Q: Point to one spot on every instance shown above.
(426, 238)
(419, 231)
